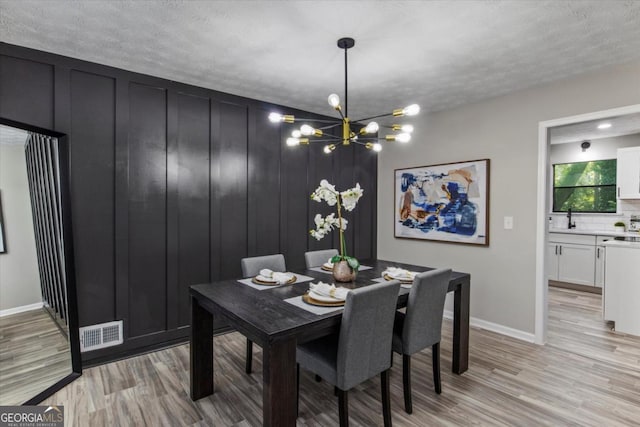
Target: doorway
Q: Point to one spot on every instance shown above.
(544, 206)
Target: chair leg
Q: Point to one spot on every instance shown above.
(386, 398)
(249, 357)
(343, 408)
(435, 354)
(406, 383)
(297, 389)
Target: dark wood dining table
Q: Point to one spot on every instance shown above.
(277, 326)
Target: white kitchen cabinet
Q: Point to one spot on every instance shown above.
(628, 173)
(571, 258)
(621, 296)
(600, 259)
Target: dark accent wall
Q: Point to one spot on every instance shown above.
(171, 185)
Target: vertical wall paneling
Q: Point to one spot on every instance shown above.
(26, 91)
(345, 178)
(364, 216)
(321, 167)
(193, 180)
(294, 202)
(172, 226)
(231, 188)
(147, 209)
(263, 189)
(120, 205)
(92, 187)
(172, 185)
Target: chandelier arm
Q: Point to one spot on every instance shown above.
(334, 139)
(330, 126)
(335, 121)
(372, 117)
(323, 141)
(331, 135)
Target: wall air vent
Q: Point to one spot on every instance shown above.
(100, 336)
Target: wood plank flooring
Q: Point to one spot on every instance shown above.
(33, 356)
(587, 375)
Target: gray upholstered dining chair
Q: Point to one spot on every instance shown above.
(421, 326)
(317, 258)
(360, 350)
(251, 267)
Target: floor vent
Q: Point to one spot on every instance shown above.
(100, 336)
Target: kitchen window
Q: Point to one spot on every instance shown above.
(585, 186)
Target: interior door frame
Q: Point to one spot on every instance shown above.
(542, 208)
(69, 267)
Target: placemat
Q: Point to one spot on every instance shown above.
(382, 280)
(319, 269)
(301, 278)
(297, 301)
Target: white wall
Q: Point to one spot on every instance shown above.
(601, 149)
(505, 130)
(19, 279)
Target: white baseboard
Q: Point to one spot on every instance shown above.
(494, 327)
(21, 309)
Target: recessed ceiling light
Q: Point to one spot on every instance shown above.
(604, 125)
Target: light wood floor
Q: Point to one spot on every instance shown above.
(586, 376)
(33, 356)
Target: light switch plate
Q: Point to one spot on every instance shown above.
(508, 222)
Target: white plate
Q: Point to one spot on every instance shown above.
(327, 265)
(323, 298)
(265, 279)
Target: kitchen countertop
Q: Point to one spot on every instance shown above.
(595, 232)
(621, 244)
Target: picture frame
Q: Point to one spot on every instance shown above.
(446, 203)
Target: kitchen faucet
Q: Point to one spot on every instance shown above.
(569, 225)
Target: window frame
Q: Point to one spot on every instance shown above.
(553, 188)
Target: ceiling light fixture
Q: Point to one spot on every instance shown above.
(604, 125)
(362, 131)
(585, 145)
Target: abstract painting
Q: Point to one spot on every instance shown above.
(444, 203)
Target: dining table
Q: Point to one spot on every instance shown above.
(274, 319)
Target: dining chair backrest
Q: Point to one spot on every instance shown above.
(252, 266)
(364, 344)
(423, 320)
(317, 258)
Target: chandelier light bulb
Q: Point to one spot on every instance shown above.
(306, 130)
(403, 137)
(296, 133)
(407, 128)
(411, 110)
(372, 127)
(329, 148)
(377, 147)
(292, 142)
(334, 100)
(275, 117)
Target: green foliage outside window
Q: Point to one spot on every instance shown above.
(585, 186)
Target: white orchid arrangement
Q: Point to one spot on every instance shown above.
(348, 200)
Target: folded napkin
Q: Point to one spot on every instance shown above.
(329, 263)
(327, 290)
(267, 275)
(399, 273)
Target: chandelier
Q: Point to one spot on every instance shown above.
(362, 131)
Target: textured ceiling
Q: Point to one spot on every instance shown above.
(439, 54)
(622, 125)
